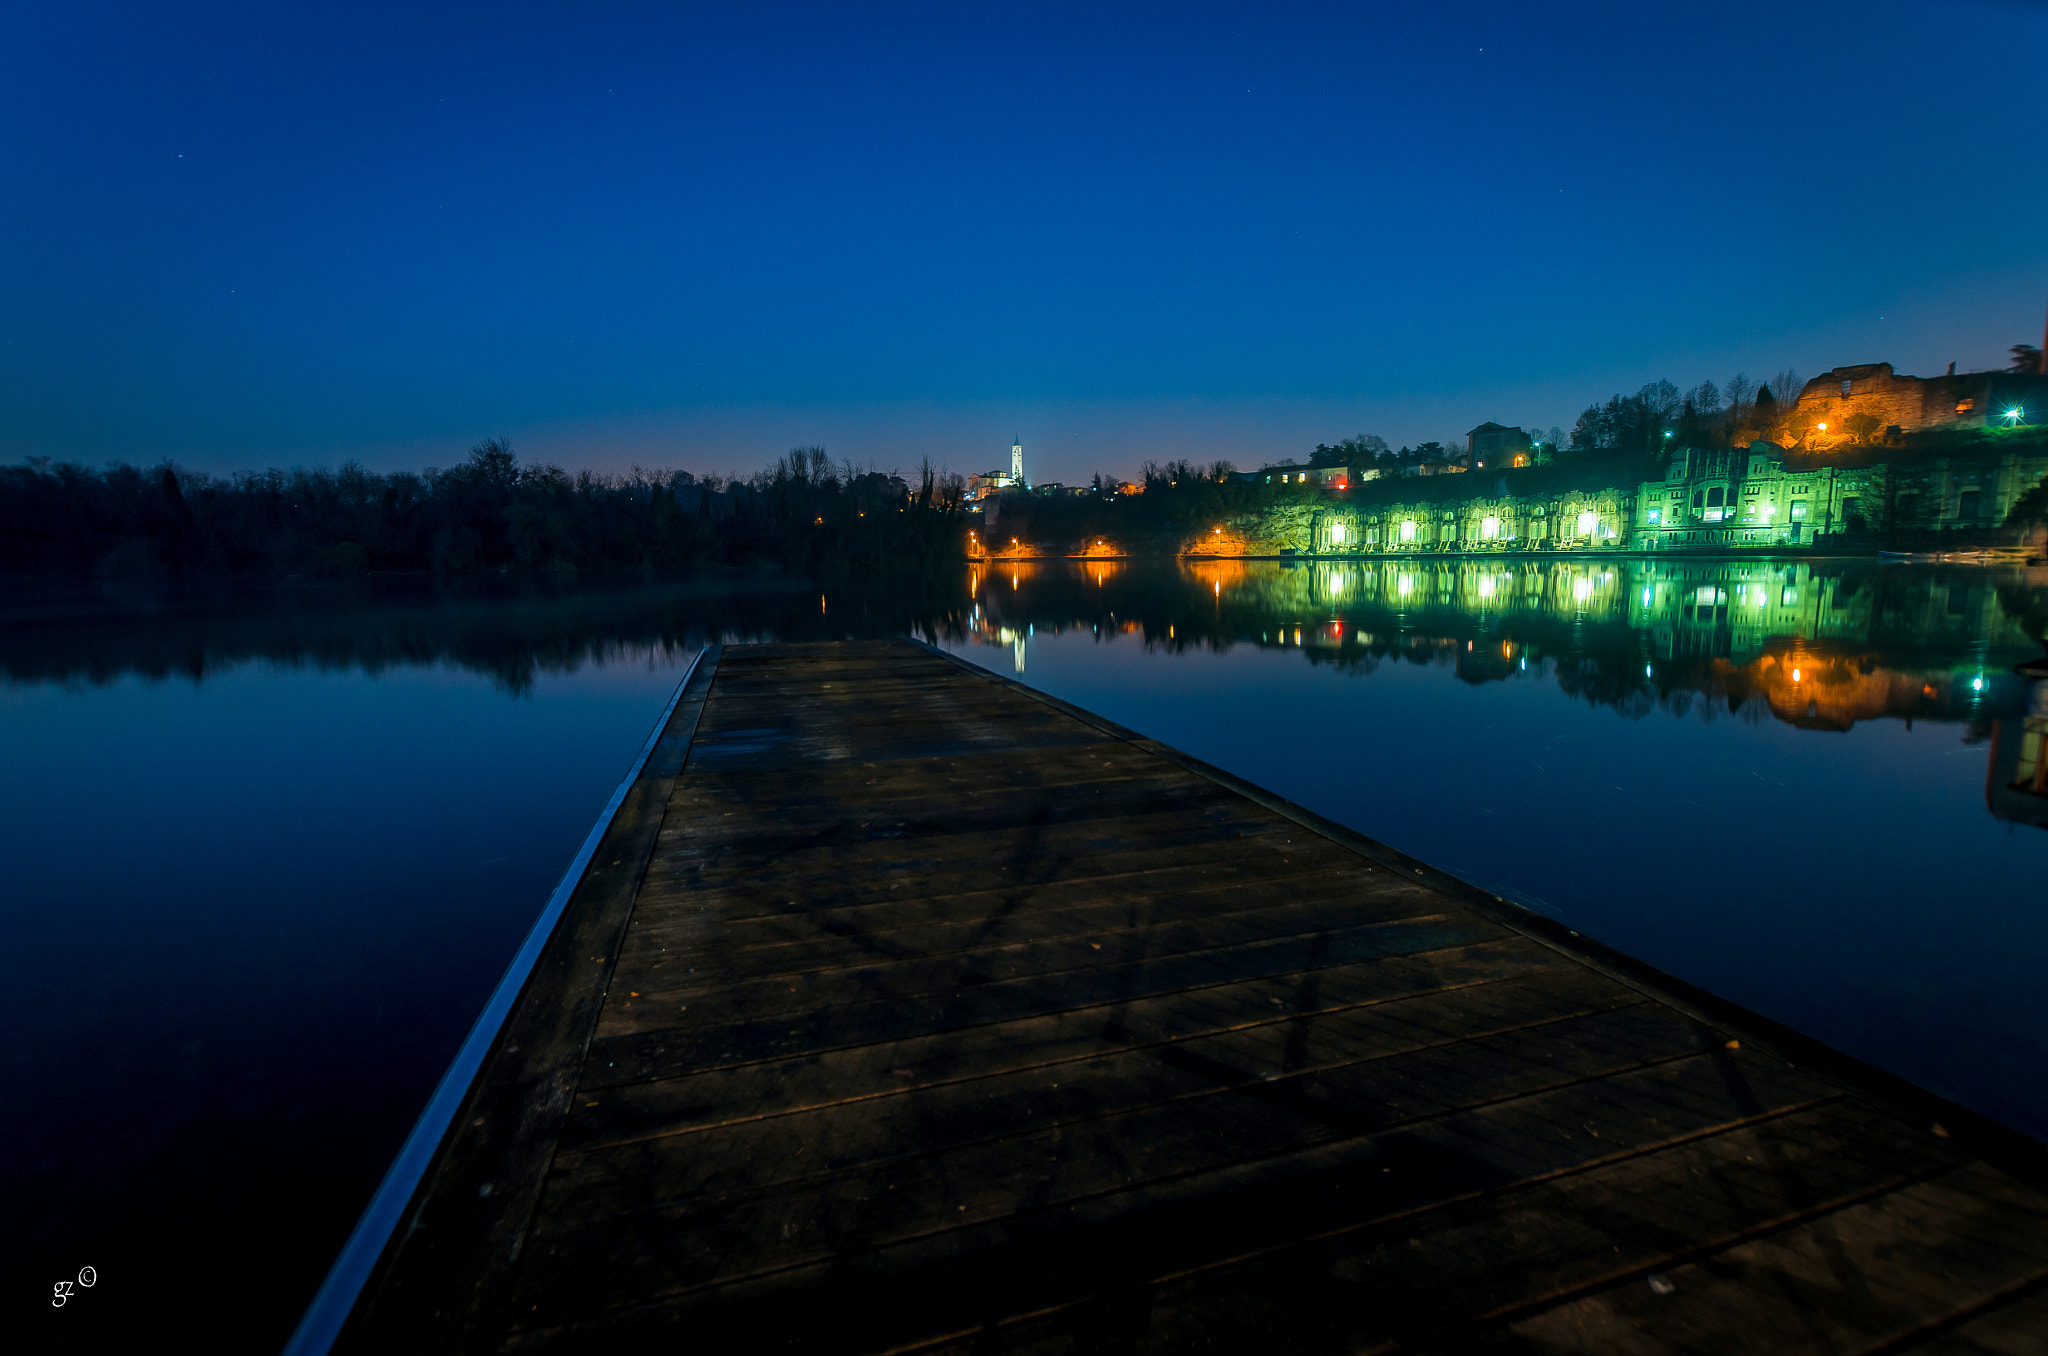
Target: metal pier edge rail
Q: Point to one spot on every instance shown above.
(336, 1298)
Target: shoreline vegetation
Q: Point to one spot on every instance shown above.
(803, 515)
(489, 514)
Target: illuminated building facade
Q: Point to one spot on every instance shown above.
(1584, 520)
(1745, 497)
(1951, 494)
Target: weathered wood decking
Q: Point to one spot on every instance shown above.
(921, 1013)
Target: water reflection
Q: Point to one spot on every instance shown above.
(513, 631)
(1820, 646)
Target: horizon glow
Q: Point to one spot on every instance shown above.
(250, 238)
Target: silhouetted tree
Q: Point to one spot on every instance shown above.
(488, 513)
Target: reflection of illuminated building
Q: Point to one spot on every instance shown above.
(2016, 779)
(1817, 646)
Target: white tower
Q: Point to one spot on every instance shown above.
(1017, 464)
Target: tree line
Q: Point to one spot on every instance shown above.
(489, 513)
(1660, 416)
(1633, 426)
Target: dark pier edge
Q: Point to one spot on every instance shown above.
(1973, 1132)
(436, 1271)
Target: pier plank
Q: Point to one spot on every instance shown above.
(936, 1015)
(765, 1088)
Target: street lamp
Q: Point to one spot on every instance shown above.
(2013, 416)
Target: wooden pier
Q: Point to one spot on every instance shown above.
(904, 1009)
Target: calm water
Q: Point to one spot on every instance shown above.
(266, 853)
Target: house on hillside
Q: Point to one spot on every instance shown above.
(1498, 446)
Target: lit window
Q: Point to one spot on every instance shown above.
(1407, 532)
(1789, 598)
(1798, 509)
(1489, 529)
(1656, 515)
(1588, 524)
(1336, 533)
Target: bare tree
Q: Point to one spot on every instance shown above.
(1739, 391)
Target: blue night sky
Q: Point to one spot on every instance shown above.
(255, 235)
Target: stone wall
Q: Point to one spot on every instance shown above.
(1905, 404)
(1961, 492)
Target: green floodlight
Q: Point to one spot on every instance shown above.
(2014, 415)
(1667, 433)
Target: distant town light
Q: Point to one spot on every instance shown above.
(1822, 427)
(1976, 685)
